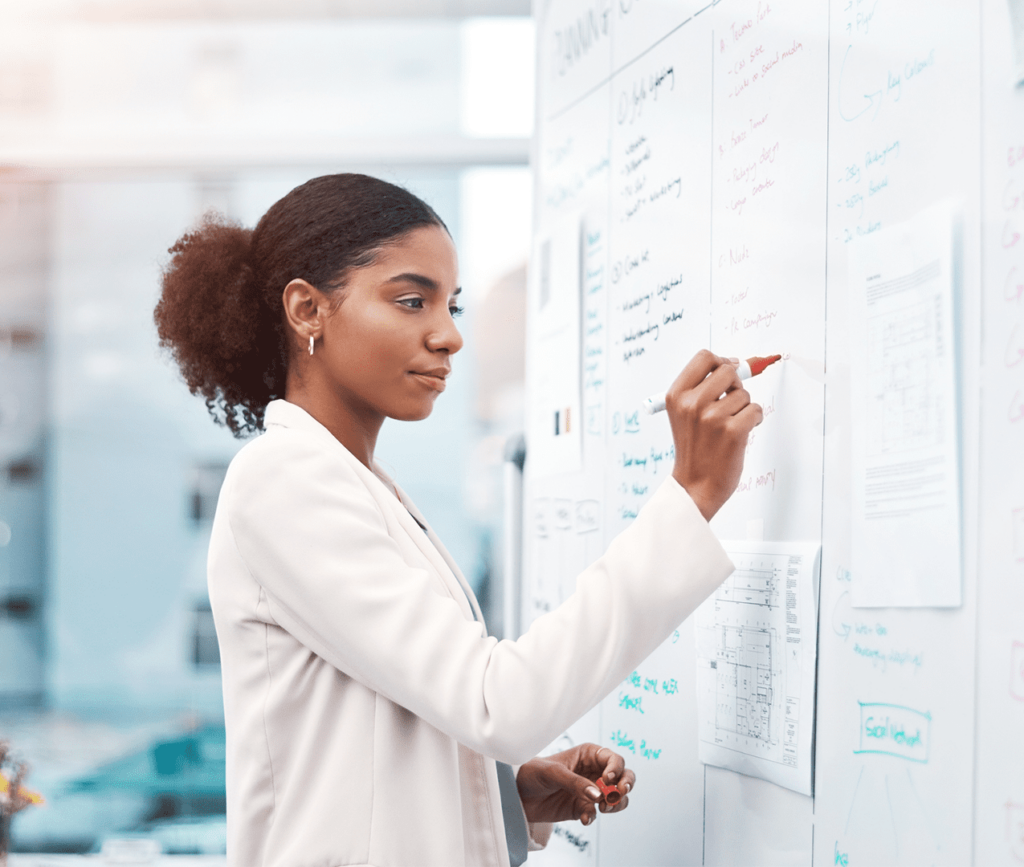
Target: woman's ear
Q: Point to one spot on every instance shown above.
(304, 305)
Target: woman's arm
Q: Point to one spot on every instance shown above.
(318, 544)
(316, 541)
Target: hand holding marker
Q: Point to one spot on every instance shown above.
(745, 370)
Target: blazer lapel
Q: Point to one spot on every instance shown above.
(406, 513)
(429, 545)
(439, 550)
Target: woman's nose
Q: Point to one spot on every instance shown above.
(445, 336)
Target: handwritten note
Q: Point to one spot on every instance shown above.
(727, 161)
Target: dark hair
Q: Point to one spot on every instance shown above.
(220, 310)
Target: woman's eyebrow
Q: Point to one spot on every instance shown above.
(419, 280)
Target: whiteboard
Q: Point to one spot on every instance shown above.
(717, 162)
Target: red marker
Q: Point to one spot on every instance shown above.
(612, 795)
(750, 367)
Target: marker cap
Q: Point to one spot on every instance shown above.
(612, 795)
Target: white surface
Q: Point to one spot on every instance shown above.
(757, 642)
(898, 144)
(860, 116)
(906, 452)
(555, 423)
(999, 783)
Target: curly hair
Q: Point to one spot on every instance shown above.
(220, 311)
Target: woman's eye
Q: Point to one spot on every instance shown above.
(455, 310)
(411, 303)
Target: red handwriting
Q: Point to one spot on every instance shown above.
(1011, 198)
(1010, 235)
(1016, 410)
(1014, 348)
(739, 29)
(1015, 829)
(733, 257)
(1013, 288)
(1015, 155)
(764, 319)
(766, 67)
(741, 63)
(736, 91)
(752, 483)
(789, 52)
(737, 205)
(744, 174)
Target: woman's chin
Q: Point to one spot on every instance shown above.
(415, 412)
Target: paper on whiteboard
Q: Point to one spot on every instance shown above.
(756, 651)
(905, 538)
(554, 444)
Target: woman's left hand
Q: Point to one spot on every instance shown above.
(561, 787)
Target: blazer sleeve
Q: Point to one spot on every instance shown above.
(313, 537)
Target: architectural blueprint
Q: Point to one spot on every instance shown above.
(756, 646)
(905, 534)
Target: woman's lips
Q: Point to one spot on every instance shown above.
(431, 380)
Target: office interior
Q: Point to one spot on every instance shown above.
(121, 123)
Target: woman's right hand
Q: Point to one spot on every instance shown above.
(711, 417)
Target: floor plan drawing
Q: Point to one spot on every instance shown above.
(756, 641)
(745, 687)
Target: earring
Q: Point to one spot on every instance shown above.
(310, 344)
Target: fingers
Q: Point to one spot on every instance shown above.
(748, 418)
(723, 379)
(605, 807)
(575, 771)
(731, 402)
(697, 369)
(582, 791)
(615, 773)
(613, 763)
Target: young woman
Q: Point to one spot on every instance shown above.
(366, 709)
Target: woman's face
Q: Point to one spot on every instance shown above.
(387, 346)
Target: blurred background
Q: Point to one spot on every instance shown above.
(121, 121)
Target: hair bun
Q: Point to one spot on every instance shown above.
(209, 316)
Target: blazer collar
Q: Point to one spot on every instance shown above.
(281, 413)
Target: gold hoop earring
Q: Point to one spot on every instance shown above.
(310, 344)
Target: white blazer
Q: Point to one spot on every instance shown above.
(364, 704)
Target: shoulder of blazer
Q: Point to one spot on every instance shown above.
(289, 456)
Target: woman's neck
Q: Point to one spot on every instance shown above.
(355, 430)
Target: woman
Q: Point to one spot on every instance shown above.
(365, 706)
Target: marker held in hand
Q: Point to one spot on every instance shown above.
(745, 370)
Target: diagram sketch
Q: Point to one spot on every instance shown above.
(906, 394)
(756, 644)
(566, 538)
(904, 444)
